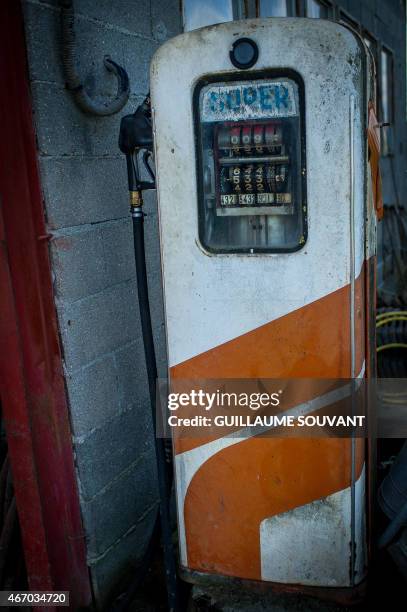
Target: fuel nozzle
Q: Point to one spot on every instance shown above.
(136, 136)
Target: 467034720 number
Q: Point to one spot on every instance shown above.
(29, 598)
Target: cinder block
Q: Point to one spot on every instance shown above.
(109, 515)
(129, 15)
(84, 182)
(130, 51)
(114, 570)
(132, 374)
(43, 42)
(88, 261)
(78, 264)
(99, 390)
(94, 40)
(84, 190)
(63, 129)
(104, 454)
(166, 19)
(94, 395)
(118, 250)
(99, 324)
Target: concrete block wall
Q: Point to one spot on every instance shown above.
(86, 206)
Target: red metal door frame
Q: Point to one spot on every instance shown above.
(32, 386)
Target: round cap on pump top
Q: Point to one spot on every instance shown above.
(244, 53)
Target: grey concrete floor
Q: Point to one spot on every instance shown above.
(238, 600)
(387, 592)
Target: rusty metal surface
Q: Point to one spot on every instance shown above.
(32, 384)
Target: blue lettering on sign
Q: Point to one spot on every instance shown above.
(233, 99)
(257, 99)
(281, 96)
(249, 95)
(215, 103)
(265, 97)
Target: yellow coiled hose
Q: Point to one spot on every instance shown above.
(384, 319)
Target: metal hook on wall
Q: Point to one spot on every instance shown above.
(74, 83)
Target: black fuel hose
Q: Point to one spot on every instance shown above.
(136, 135)
(162, 524)
(164, 475)
(144, 305)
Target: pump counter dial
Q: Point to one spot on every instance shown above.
(249, 142)
(252, 167)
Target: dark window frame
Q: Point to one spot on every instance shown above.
(329, 5)
(386, 136)
(346, 19)
(366, 34)
(386, 49)
(291, 8)
(374, 49)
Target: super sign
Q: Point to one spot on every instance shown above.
(259, 99)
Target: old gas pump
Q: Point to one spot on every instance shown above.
(266, 149)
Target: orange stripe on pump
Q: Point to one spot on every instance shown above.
(239, 486)
(313, 341)
(258, 478)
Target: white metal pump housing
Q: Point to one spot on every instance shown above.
(267, 228)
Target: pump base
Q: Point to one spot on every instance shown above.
(346, 596)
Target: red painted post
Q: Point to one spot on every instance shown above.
(33, 395)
